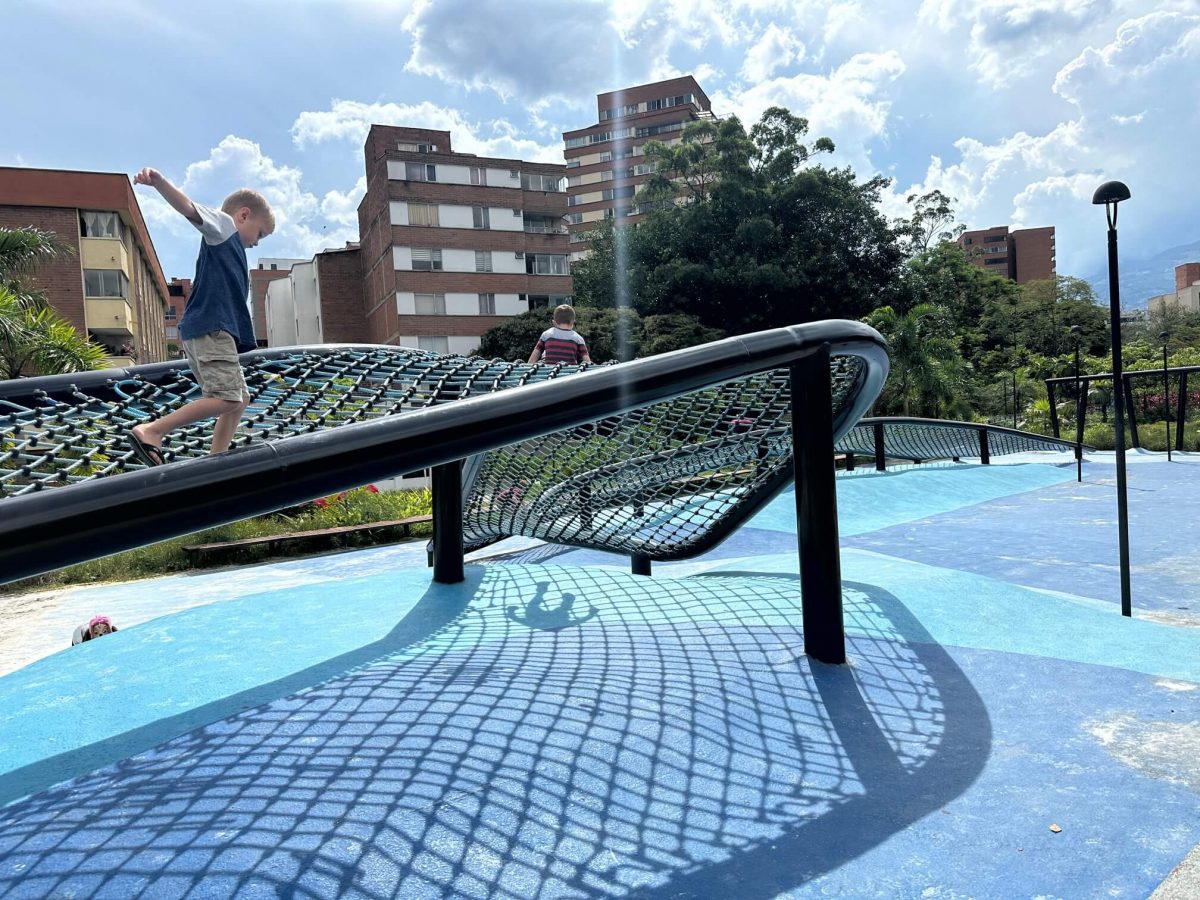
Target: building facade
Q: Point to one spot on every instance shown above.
(453, 243)
(1021, 255)
(317, 301)
(179, 291)
(1185, 297)
(267, 270)
(111, 287)
(605, 165)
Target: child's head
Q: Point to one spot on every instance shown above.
(100, 625)
(564, 316)
(252, 215)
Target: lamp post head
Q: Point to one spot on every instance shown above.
(1164, 336)
(1109, 195)
(1076, 329)
(1110, 192)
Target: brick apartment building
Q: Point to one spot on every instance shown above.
(179, 291)
(1185, 297)
(112, 286)
(1025, 254)
(453, 243)
(320, 301)
(604, 161)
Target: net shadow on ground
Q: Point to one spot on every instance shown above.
(568, 733)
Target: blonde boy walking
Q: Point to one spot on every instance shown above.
(216, 325)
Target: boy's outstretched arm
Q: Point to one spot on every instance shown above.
(173, 195)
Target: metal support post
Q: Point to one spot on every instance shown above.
(639, 565)
(446, 481)
(1180, 411)
(985, 452)
(880, 451)
(816, 508)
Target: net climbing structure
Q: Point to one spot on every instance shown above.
(662, 480)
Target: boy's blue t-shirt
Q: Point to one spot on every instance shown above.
(221, 288)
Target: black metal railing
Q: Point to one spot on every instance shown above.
(920, 440)
(1155, 376)
(52, 528)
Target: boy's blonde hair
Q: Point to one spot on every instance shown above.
(564, 315)
(251, 200)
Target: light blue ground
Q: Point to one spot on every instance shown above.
(715, 759)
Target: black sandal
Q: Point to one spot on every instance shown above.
(146, 453)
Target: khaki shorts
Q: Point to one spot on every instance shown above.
(215, 364)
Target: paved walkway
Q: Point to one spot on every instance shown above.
(556, 727)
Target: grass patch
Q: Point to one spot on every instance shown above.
(361, 506)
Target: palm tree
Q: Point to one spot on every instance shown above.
(927, 371)
(34, 340)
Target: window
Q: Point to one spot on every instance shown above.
(994, 238)
(483, 260)
(481, 217)
(478, 175)
(426, 260)
(435, 343)
(423, 214)
(99, 224)
(104, 283)
(274, 267)
(572, 163)
(171, 314)
(995, 261)
(575, 218)
(546, 264)
(487, 304)
(517, 213)
(420, 172)
(430, 304)
(535, 181)
(416, 148)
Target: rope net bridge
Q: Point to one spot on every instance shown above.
(918, 440)
(665, 481)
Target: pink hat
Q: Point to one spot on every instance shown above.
(99, 620)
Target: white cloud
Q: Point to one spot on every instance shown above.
(849, 105)
(1129, 121)
(777, 48)
(350, 120)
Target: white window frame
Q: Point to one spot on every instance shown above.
(425, 211)
(435, 304)
(437, 343)
(481, 217)
(487, 304)
(430, 260)
(420, 171)
(483, 261)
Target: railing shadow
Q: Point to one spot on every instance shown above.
(676, 743)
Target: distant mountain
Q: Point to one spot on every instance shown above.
(1142, 279)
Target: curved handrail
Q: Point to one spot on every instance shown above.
(51, 529)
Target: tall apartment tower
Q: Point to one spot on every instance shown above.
(1026, 254)
(111, 287)
(604, 161)
(453, 243)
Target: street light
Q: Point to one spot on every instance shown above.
(1109, 195)
(1076, 332)
(1165, 337)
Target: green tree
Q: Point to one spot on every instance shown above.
(926, 370)
(765, 239)
(34, 340)
(932, 221)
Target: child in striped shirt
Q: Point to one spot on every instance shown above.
(561, 343)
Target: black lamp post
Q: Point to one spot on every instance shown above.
(1076, 332)
(1109, 195)
(1165, 337)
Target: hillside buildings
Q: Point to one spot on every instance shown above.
(1185, 297)
(1021, 255)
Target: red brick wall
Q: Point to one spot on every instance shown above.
(62, 280)
(339, 278)
(1186, 275)
(1032, 254)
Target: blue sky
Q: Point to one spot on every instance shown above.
(1019, 109)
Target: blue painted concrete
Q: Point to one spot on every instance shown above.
(566, 730)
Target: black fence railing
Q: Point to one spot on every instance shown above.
(920, 440)
(50, 528)
(1156, 379)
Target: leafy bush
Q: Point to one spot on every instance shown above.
(357, 507)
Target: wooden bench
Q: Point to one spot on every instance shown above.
(320, 539)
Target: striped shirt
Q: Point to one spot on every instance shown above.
(562, 345)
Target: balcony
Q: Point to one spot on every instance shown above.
(109, 316)
(104, 253)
